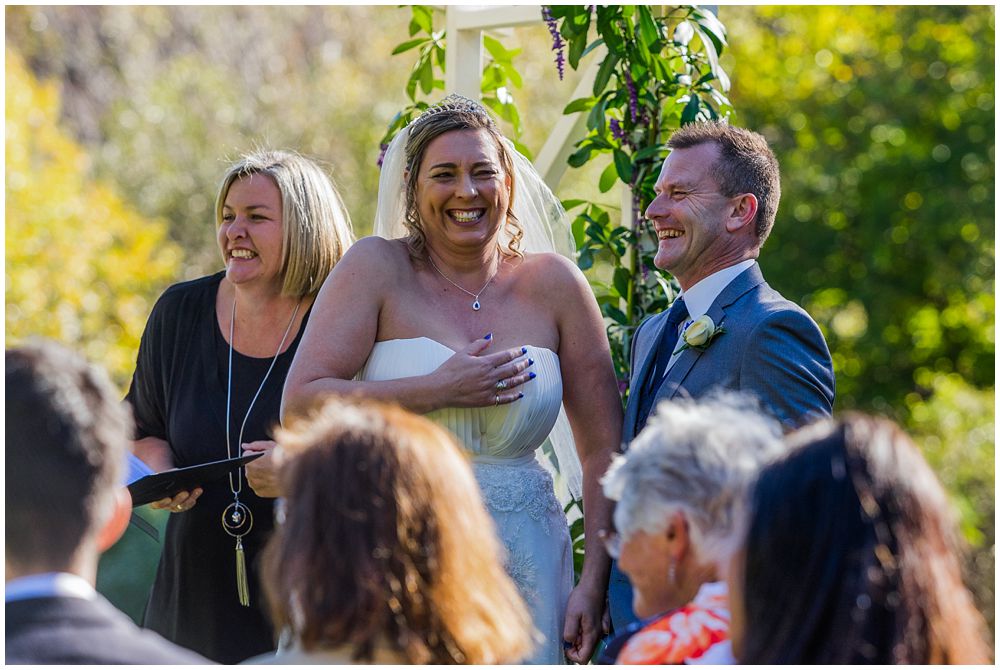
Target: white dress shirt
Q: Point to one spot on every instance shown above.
(699, 298)
(48, 585)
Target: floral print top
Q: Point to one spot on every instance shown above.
(682, 634)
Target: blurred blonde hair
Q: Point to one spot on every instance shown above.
(316, 228)
(386, 541)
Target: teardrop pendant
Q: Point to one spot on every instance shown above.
(476, 306)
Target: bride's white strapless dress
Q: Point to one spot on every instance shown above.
(518, 492)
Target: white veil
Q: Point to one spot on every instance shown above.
(546, 229)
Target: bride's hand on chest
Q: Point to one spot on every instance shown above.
(475, 376)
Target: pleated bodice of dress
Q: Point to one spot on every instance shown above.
(508, 431)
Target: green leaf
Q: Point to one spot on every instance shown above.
(585, 260)
(708, 41)
(623, 164)
(646, 152)
(621, 281)
(423, 17)
(577, 45)
(604, 72)
(512, 74)
(523, 149)
(577, 229)
(593, 45)
(608, 178)
(579, 105)
(647, 26)
(596, 120)
(427, 76)
(572, 203)
(579, 157)
(615, 314)
(690, 112)
(716, 31)
(410, 44)
(496, 49)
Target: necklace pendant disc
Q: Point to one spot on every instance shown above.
(476, 306)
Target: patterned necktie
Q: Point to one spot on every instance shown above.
(668, 341)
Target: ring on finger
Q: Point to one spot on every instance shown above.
(179, 508)
(496, 399)
(501, 385)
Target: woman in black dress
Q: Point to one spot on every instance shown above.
(215, 352)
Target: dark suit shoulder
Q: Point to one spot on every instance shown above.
(60, 631)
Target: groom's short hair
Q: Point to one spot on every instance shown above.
(67, 436)
(746, 165)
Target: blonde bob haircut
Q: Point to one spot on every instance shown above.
(316, 228)
(385, 542)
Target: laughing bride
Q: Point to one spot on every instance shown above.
(467, 307)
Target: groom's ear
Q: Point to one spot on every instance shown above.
(742, 213)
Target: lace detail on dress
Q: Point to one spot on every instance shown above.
(527, 490)
(520, 565)
(522, 496)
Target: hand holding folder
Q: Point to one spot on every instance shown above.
(149, 486)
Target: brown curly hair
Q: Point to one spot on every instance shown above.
(423, 131)
(386, 541)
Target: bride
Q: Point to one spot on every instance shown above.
(459, 309)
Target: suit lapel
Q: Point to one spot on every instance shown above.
(744, 282)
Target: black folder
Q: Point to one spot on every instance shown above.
(169, 483)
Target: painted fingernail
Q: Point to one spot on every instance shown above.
(531, 375)
(531, 361)
(567, 645)
(520, 395)
(489, 336)
(524, 350)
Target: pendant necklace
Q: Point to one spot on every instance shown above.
(475, 296)
(237, 520)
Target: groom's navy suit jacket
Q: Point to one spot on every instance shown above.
(771, 348)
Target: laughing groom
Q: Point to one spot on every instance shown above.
(716, 199)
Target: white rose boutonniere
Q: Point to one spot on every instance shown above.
(700, 333)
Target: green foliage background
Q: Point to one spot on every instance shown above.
(120, 122)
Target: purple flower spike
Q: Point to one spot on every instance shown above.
(557, 42)
(633, 97)
(381, 154)
(616, 129)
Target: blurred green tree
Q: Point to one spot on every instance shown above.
(883, 120)
(82, 266)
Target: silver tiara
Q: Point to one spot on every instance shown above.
(452, 103)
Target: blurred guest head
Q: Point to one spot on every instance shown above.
(678, 489)
(316, 228)
(851, 556)
(385, 543)
(67, 436)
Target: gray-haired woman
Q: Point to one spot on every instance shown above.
(679, 489)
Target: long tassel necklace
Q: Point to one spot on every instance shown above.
(237, 520)
(475, 296)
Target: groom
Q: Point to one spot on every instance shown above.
(716, 200)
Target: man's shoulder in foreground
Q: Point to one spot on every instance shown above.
(67, 630)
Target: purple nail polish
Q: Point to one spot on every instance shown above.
(520, 395)
(531, 375)
(489, 336)
(524, 350)
(531, 361)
